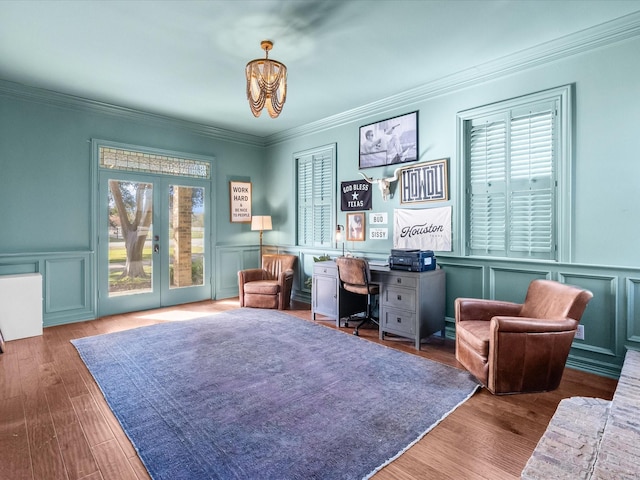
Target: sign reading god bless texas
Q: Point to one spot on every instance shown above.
(356, 195)
(426, 229)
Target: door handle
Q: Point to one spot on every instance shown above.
(156, 248)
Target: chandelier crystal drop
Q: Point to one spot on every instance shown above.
(266, 83)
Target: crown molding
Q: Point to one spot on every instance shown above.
(62, 100)
(602, 35)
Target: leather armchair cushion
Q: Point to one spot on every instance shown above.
(476, 335)
(262, 287)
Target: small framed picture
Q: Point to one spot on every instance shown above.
(390, 141)
(355, 227)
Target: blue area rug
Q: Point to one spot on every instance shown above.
(259, 394)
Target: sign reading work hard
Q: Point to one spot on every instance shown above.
(240, 202)
(425, 229)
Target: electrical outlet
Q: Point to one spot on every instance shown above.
(580, 333)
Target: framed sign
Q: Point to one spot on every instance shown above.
(240, 202)
(378, 218)
(355, 195)
(390, 141)
(378, 233)
(426, 182)
(355, 227)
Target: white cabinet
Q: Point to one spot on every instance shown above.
(20, 305)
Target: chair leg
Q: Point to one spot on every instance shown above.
(364, 321)
(367, 319)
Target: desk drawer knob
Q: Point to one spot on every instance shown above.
(399, 297)
(399, 320)
(398, 280)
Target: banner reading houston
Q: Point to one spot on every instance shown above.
(424, 229)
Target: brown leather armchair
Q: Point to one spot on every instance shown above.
(269, 286)
(516, 348)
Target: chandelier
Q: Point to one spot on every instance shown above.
(266, 83)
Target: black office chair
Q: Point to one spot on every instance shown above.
(355, 277)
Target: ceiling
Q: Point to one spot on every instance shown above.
(186, 59)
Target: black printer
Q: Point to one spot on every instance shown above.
(412, 260)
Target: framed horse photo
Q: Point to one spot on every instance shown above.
(355, 227)
(390, 141)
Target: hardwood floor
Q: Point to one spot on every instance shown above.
(55, 423)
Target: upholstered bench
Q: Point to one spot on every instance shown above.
(592, 438)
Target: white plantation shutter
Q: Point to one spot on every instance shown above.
(531, 201)
(511, 160)
(316, 197)
(487, 175)
(305, 201)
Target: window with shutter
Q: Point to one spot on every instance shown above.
(316, 196)
(512, 153)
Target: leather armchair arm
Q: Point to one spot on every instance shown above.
(285, 276)
(528, 354)
(285, 280)
(251, 275)
(483, 309)
(532, 325)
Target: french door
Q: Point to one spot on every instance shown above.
(153, 241)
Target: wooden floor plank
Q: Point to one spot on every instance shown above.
(10, 384)
(15, 459)
(43, 443)
(76, 453)
(113, 464)
(95, 427)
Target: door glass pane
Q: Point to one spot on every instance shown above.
(186, 236)
(130, 235)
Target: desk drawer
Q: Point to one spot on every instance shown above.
(400, 322)
(325, 268)
(394, 279)
(399, 298)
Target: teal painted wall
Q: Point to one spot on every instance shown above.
(606, 153)
(606, 211)
(46, 186)
(45, 157)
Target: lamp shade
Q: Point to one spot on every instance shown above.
(261, 222)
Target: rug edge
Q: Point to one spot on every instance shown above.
(422, 435)
(120, 420)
